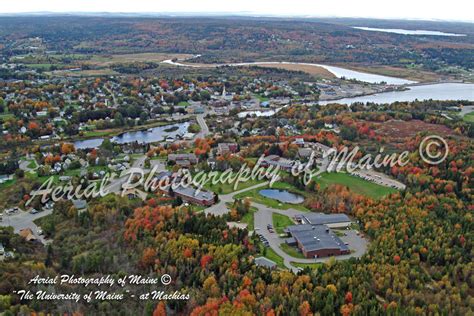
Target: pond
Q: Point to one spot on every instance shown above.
(88, 143)
(151, 135)
(283, 196)
(155, 134)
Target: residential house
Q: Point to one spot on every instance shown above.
(27, 234)
(227, 148)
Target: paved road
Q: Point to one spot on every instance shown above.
(21, 220)
(202, 124)
(220, 208)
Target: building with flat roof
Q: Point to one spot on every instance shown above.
(189, 194)
(331, 220)
(274, 160)
(264, 262)
(316, 241)
(190, 158)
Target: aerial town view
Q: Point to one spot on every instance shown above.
(236, 158)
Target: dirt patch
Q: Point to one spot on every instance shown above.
(406, 129)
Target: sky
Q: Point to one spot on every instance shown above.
(460, 10)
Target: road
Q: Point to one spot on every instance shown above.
(203, 125)
(221, 208)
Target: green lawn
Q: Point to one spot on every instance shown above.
(255, 196)
(292, 251)
(183, 103)
(355, 184)
(104, 133)
(32, 164)
(249, 219)
(272, 255)
(280, 222)
(315, 265)
(469, 117)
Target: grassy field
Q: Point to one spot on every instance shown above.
(469, 117)
(355, 184)
(104, 61)
(280, 222)
(292, 251)
(315, 265)
(249, 218)
(255, 196)
(272, 255)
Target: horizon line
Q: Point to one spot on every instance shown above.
(219, 14)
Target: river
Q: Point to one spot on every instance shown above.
(336, 71)
(407, 32)
(439, 91)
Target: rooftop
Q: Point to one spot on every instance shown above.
(191, 192)
(316, 237)
(324, 219)
(264, 262)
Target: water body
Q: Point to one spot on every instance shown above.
(155, 134)
(440, 91)
(336, 71)
(407, 32)
(283, 196)
(88, 143)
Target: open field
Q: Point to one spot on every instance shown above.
(249, 218)
(407, 129)
(354, 184)
(269, 253)
(292, 251)
(469, 117)
(280, 222)
(107, 60)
